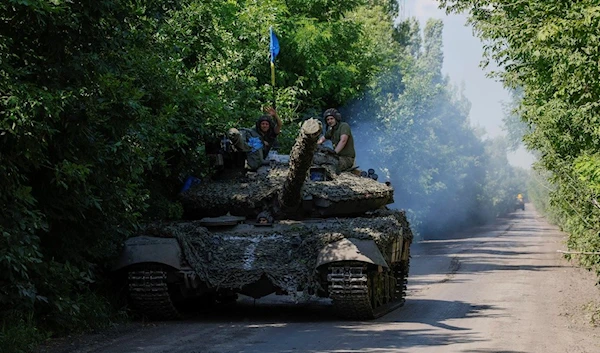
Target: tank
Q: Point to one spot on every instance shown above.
(294, 227)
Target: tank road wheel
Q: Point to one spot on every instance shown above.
(149, 294)
(362, 292)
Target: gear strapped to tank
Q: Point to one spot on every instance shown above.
(248, 141)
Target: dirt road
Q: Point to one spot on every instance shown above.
(501, 288)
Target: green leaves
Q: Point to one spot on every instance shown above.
(587, 169)
(97, 116)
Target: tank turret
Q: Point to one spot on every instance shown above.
(325, 234)
(283, 187)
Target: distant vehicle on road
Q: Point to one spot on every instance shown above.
(519, 203)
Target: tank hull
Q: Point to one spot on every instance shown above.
(309, 258)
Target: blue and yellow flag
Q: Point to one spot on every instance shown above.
(274, 50)
(274, 45)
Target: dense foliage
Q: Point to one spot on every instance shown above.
(105, 105)
(548, 50)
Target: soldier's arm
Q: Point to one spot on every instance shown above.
(278, 123)
(345, 133)
(340, 146)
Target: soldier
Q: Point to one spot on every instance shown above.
(340, 135)
(268, 127)
(256, 142)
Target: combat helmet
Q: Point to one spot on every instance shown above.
(266, 118)
(333, 112)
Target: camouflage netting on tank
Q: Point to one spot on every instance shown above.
(238, 197)
(285, 253)
(259, 191)
(325, 156)
(347, 186)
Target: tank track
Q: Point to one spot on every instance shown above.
(149, 294)
(349, 287)
(401, 273)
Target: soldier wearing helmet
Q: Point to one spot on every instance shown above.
(341, 136)
(256, 142)
(268, 127)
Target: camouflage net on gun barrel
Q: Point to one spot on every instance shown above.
(285, 253)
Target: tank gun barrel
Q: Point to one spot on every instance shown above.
(301, 158)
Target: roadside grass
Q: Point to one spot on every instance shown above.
(19, 333)
(592, 310)
(25, 332)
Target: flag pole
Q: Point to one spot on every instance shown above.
(273, 83)
(273, 50)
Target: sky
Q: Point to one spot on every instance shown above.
(462, 57)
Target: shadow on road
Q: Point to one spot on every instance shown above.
(301, 328)
(395, 330)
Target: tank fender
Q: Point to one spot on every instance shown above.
(144, 249)
(351, 249)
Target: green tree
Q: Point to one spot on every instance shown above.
(96, 128)
(515, 127)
